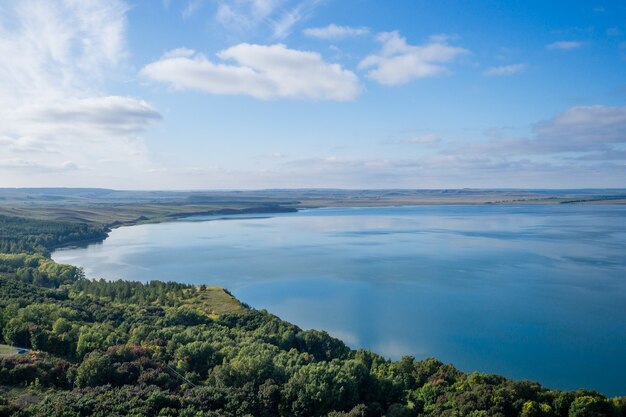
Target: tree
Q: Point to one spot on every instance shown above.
(96, 369)
(589, 406)
(197, 357)
(16, 332)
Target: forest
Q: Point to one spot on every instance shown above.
(121, 348)
(22, 235)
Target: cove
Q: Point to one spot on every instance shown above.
(530, 292)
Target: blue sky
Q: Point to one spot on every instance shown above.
(198, 94)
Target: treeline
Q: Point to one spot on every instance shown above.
(167, 293)
(20, 235)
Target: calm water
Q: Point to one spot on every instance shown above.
(533, 292)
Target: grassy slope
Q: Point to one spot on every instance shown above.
(6, 350)
(213, 301)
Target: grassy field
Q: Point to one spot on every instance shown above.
(6, 350)
(118, 215)
(213, 301)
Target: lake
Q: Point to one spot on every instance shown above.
(530, 292)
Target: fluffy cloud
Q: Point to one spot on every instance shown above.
(260, 71)
(586, 126)
(565, 45)
(505, 70)
(108, 115)
(58, 47)
(335, 32)
(398, 62)
(589, 132)
(56, 115)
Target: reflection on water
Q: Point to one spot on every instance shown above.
(536, 292)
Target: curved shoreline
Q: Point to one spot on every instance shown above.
(220, 278)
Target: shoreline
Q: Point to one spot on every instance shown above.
(177, 216)
(435, 209)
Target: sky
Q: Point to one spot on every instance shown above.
(249, 94)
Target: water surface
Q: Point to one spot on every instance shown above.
(532, 292)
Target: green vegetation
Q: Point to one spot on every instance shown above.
(38, 269)
(122, 348)
(37, 236)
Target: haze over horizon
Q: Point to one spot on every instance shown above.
(248, 94)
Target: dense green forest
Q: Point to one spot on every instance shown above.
(18, 235)
(100, 348)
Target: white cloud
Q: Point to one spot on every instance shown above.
(455, 170)
(565, 45)
(260, 71)
(245, 14)
(280, 16)
(585, 126)
(192, 8)
(283, 26)
(398, 62)
(112, 115)
(57, 45)
(31, 166)
(505, 70)
(588, 130)
(335, 32)
(56, 115)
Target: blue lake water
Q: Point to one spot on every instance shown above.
(531, 292)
